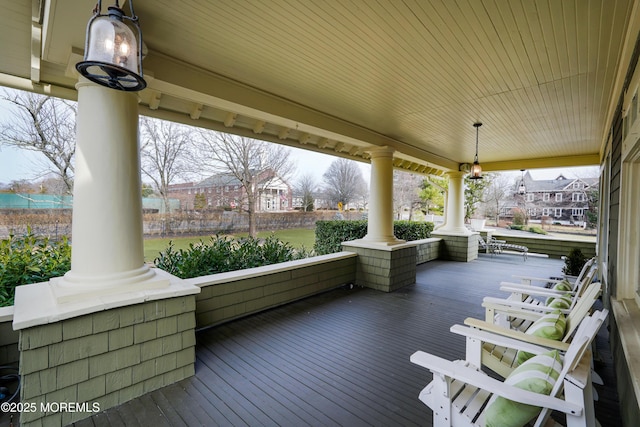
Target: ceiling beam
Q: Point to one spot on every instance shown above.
(542, 163)
(36, 39)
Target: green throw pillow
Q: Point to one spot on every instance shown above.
(563, 302)
(539, 375)
(551, 326)
(563, 286)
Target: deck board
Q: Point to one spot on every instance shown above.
(340, 358)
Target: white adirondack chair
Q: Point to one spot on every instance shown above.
(459, 391)
(502, 359)
(589, 268)
(497, 309)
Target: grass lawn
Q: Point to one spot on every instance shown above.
(297, 237)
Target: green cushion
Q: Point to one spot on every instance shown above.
(563, 302)
(563, 285)
(551, 326)
(538, 374)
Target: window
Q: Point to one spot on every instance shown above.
(545, 197)
(577, 211)
(530, 197)
(558, 212)
(558, 197)
(532, 212)
(577, 185)
(578, 197)
(546, 211)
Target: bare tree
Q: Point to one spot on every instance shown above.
(496, 194)
(254, 164)
(406, 192)
(164, 153)
(305, 188)
(42, 124)
(344, 182)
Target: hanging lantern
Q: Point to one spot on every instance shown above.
(476, 169)
(113, 49)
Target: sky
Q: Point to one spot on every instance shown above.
(16, 164)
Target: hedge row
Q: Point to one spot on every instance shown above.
(224, 253)
(30, 259)
(331, 234)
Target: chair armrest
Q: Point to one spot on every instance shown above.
(497, 338)
(478, 379)
(513, 307)
(532, 290)
(543, 344)
(537, 279)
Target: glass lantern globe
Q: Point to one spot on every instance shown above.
(112, 56)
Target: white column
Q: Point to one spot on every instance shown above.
(454, 221)
(107, 254)
(380, 220)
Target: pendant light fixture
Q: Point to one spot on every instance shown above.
(113, 49)
(476, 169)
(521, 188)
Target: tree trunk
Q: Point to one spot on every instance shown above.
(251, 209)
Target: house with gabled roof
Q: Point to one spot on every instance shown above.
(561, 200)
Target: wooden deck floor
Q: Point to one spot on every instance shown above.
(338, 359)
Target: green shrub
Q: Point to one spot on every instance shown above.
(536, 230)
(30, 259)
(412, 230)
(224, 253)
(515, 227)
(331, 234)
(519, 218)
(574, 262)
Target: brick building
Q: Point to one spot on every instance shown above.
(226, 192)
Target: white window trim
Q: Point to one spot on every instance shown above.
(545, 197)
(558, 197)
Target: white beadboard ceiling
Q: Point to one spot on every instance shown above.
(340, 76)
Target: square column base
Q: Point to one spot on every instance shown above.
(90, 356)
(383, 267)
(458, 246)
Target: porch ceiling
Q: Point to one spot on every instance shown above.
(340, 77)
